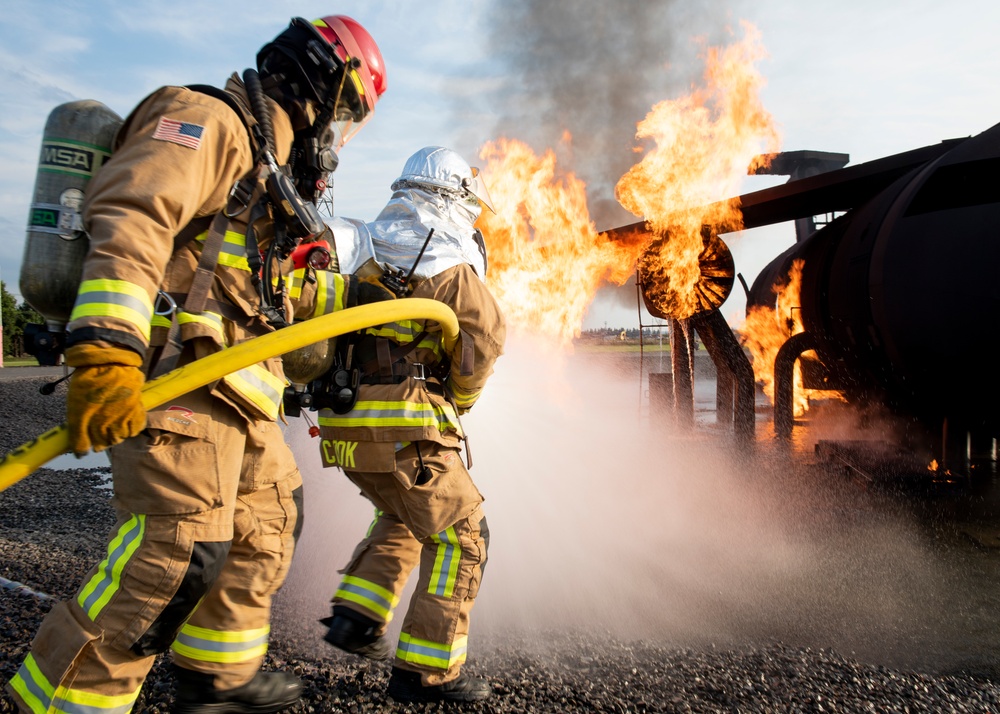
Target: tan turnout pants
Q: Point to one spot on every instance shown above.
(208, 510)
(438, 523)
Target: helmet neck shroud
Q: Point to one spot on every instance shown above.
(310, 78)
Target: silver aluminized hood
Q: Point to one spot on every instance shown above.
(396, 235)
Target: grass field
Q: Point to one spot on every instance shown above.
(20, 362)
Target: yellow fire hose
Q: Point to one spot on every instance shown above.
(28, 457)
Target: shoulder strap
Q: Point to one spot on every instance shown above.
(223, 96)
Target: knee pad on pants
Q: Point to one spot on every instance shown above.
(203, 570)
(299, 522)
(484, 532)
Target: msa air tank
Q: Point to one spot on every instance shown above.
(75, 144)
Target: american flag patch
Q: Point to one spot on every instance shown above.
(179, 132)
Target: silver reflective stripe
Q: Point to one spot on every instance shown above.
(27, 680)
(366, 593)
(442, 652)
(424, 416)
(61, 705)
(111, 568)
(206, 645)
(103, 297)
(441, 576)
(255, 381)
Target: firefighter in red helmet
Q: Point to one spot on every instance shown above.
(188, 255)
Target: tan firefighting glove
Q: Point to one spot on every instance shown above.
(104, 402)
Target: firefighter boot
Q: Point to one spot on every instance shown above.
(353, 632)
(405, 686)
(266, 692)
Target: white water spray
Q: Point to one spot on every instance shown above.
(603, 522)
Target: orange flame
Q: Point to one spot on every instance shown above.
(546, 258)
(766, 329)
(703, 145)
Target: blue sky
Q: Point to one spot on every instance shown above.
(864, 78)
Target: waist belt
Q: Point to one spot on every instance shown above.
(389, 365)
(407, 370)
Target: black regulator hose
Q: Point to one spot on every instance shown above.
(258, 105)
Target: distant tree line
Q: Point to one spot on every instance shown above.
(15, 317)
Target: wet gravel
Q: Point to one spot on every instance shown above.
(53, 527)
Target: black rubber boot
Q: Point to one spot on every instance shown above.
(357, 634)
(405, 686)
(266, 692)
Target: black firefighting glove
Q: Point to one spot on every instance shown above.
(362, 292)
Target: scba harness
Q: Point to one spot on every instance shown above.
(264, 199)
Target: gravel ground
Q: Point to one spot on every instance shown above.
(53, 526)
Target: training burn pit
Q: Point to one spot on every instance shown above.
(899, 295)
(893, 301)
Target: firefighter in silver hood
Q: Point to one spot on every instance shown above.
(399, 437)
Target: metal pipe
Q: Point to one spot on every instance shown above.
(682, 366)
(725, 394)
(784, 381)
(730, 360)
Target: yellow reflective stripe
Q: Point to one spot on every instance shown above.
(106, 581)
(377, 413)
(378, 514)
(234, 250)
(464, 398)
(445, 572)
(368, 595)
(32, 686)
(114, 298)
(405, 331)
(295, 282)
(330, 293)
(226, 647)
(160, 321)
(77, 701)
(261, 387)
(431, 654)
(210, 319)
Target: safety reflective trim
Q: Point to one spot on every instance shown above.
(404, 332)
(105, 583)
(445, 572)
(380, 414)
(210, 319)
(40, 696)
(367, 594)
(378, 514)
(75, 701)
(462, 397)
(234, 250)
(114, 298)
(32, 686)
(431, 654)
(295, 282)
(226, 647)
(330, 292)
(261, 387)
(160, 321)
